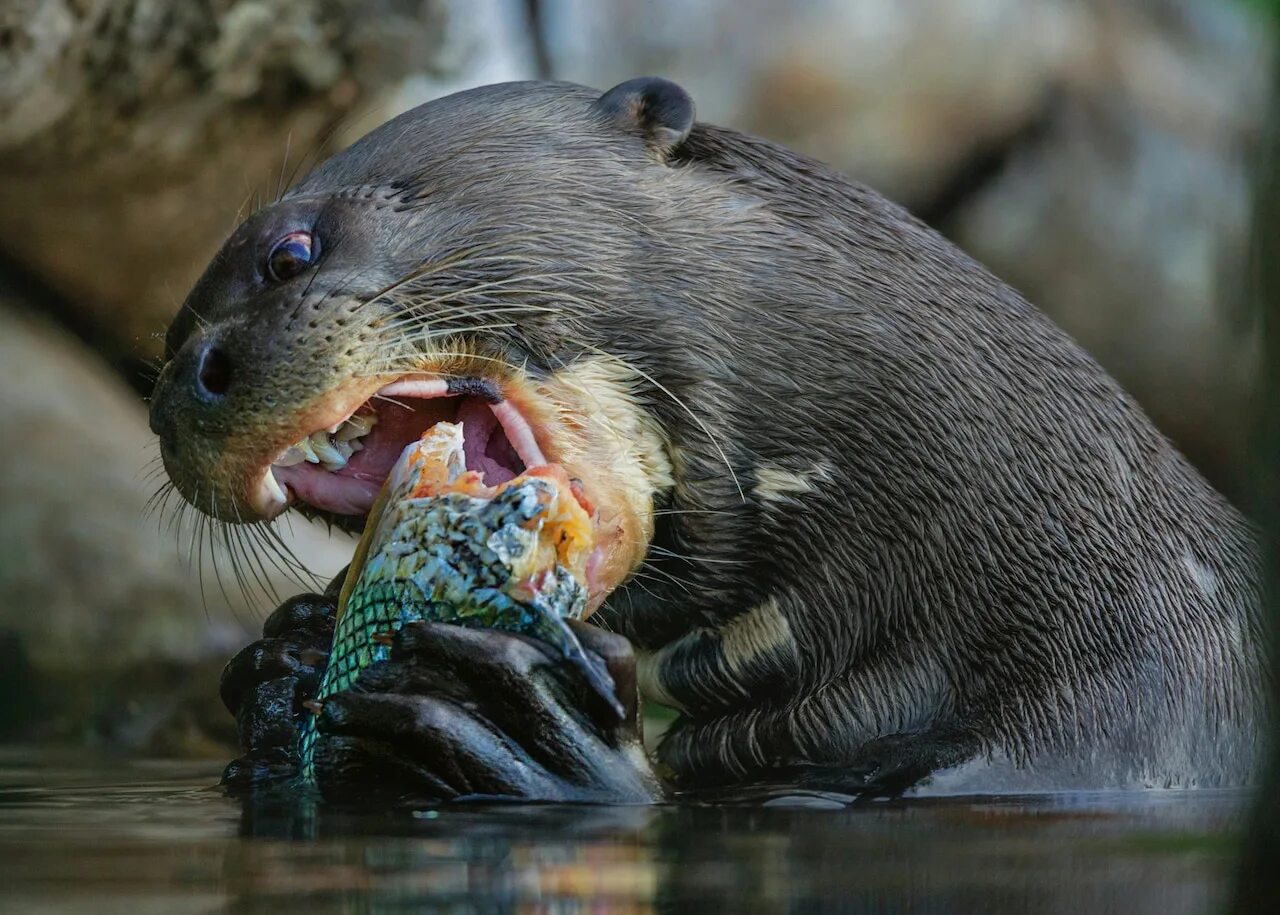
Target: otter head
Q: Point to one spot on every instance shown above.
(485, 258)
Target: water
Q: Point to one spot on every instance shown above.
(86, 834)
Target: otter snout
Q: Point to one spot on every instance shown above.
(198, 376)
(186, 406)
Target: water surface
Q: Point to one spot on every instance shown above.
(82, 833)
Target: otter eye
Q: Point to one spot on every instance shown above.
(290, 256)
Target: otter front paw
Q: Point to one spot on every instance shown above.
(470, 713)
(266, 684)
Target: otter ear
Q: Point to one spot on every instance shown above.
(655, 109)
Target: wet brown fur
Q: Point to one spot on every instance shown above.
(950, 522)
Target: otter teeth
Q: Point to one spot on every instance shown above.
(327, 453)
(273, 487)
(353, 428)
(331, 449)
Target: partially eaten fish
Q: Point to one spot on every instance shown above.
(441, 545)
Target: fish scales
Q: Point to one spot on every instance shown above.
(453, 558)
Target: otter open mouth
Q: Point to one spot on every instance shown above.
(340, 467)
(333, 455)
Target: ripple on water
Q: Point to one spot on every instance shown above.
(86, 834)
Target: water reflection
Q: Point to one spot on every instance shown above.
(397, 859)
(103, 836)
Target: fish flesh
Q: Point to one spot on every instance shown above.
(440, 545)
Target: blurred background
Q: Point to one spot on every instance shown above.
(1097, 154)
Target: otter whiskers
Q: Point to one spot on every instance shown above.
(247, 548)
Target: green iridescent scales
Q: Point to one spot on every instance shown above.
(449, 559)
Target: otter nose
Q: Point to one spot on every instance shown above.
(213, 371)
(197, 378)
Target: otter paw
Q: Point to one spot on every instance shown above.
(265, 685)
(260, 766)
(477, 713)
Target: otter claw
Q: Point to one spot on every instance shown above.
(312, 657)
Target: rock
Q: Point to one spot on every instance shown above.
(895, 94)
(96, 599)
(1127, 217)
(1094, 153)
(133, 133)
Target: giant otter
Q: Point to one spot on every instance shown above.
(868, 516)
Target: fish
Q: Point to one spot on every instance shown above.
(440, 545)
